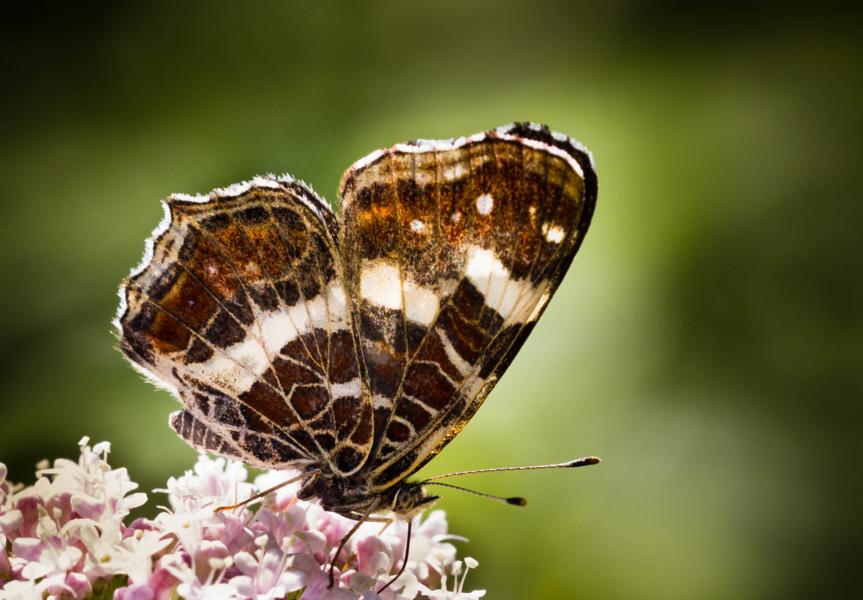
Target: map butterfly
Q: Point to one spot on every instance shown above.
(353, 347)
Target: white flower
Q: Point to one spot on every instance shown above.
(267, 575)
(68, 534)
(20, 590)
(67, 530)
(212, 483)
(459, 576)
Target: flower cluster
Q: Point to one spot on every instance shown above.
(66, 536)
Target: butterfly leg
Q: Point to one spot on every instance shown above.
(344, 541)
(387, 521)
(404, 561)
(258, 495)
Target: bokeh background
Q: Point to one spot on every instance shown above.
(707, 343)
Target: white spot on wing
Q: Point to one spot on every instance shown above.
(421, 303)
(337, 306)
(350, 389)
(318, 313)
(250, 354)
(501, 293)
(482, 264)
(484, 204)
(380, 284)
(278, 329)
(234, 368)
(447, 287)
(553, 233)
(380, 401)
(454, 172)
(461, 365)
(417, 226)
(543, 300)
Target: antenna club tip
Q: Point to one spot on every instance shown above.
(584, 462)
(517, 501)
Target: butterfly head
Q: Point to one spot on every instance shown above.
(352, 497)
(408, 498)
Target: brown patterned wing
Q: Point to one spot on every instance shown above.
(240, 309)
(452, 250)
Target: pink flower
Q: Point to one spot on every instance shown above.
(266, 575)
(68, 535)
(67, 530)
(459, 576)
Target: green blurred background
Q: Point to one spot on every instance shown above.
(707, 343)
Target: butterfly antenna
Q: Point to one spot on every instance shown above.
(514, 501)
(578, 462)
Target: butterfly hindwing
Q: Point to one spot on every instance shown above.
(452, 250)
(242, 310)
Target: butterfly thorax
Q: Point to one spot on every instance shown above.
(351, 496)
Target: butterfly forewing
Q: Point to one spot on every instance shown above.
(242, 310)
(452, 250)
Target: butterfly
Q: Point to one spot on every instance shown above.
(353, 347)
